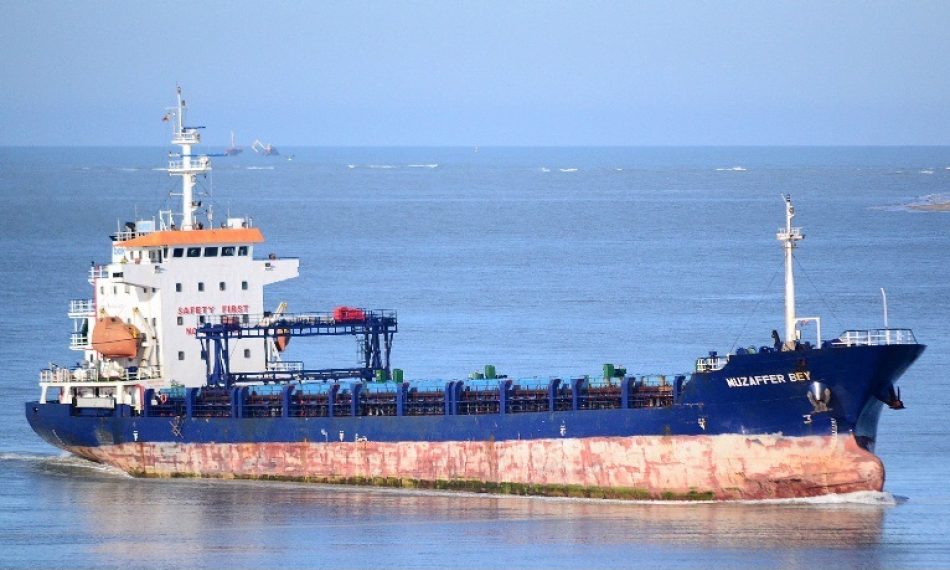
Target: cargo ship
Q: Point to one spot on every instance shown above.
(184, 375)
(234, 149)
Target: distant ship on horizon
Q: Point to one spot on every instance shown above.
(264, 149)
(233, 150)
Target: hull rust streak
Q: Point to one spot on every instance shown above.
(642, 467)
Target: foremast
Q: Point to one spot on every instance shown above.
(788, 236)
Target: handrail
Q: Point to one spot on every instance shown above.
(187, 137)
(711, 363)
(285, 366)
(875, 337)
(196, 163)
(65, 375)
(82, 307)
(126, 235)
(79, 341)
(98, 272)
(291, 319)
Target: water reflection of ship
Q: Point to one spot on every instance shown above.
(264, 511)
(233, 150)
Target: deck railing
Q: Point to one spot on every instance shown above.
(98, 272)
(81, 307)
(64, 375)
(875, 337)
(285, 366)
(186, 137)
(711, 363)
(195, 163)
(79, 341)
(401, 399)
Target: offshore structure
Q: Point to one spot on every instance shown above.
(182, 375)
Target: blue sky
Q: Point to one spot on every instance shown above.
(479, 73)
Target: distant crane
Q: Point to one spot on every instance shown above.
(264, 149)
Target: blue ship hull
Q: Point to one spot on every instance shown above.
(860, 379)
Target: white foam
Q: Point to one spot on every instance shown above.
(433, 165)
(62, 461)
(32, 457)
(545, 169)
(732, 169)
(927, 171)
(128, 169)
(618, 169)
(382, 166)
(567, 169)
(351, 166)
(929, 201)
(260, 168)
(872, 498)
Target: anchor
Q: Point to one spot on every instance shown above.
(893, 400)
(820, 397)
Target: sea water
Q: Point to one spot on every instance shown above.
(541, 261)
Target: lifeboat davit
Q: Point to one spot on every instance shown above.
(113, 338)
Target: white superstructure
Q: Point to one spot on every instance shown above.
(164, 280)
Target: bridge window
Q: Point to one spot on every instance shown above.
(181, 355)
(211, 252)
(242, 250)
(244, 285)
(201, 286)
(194, 252)
(178, 252)
(181, 320)
(222, 286)
(201, 320)
(178, 287)
(247, 353)
(227, 251)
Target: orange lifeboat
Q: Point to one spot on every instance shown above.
(113, 338)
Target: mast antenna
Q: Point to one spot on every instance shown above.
(186, 165)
